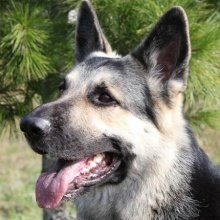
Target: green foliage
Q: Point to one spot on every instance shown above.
(23, 44)
(203, 92)
(32, 53)
(37, 49)
(22, 59)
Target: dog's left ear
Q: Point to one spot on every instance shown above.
(165, 53)
(89, 34)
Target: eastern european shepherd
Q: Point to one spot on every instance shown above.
(123, 146)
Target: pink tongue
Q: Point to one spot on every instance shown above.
(51, 186)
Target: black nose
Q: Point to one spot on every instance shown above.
(35, 126)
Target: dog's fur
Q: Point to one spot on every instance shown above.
(164, 174)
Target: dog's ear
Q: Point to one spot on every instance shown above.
(166, 51)
(89, 35)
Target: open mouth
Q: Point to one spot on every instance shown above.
(69, 179)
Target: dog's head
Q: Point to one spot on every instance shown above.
(113, 111)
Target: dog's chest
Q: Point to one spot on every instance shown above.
(97, 206)
(111, 206)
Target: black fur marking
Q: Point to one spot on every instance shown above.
(89, 35)
(124, 148)
(111, 63)
(205, 183)
(149, 106)
(63, 86)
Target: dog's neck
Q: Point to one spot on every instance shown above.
(146, 195)
(162, 197)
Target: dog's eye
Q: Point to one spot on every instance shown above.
(102, 98)
(105, 98)
(62, 86)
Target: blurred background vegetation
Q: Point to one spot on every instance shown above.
(37, 50)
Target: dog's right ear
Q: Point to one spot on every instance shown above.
(89, 35)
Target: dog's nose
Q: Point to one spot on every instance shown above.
(35, 126)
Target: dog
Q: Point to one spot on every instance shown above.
(123, 146)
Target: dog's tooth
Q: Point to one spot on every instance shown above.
(85, 170)
(98, 158)
(68, 195)
(92, 164)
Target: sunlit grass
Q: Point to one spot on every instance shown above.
(18, 172)
(211, 145)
